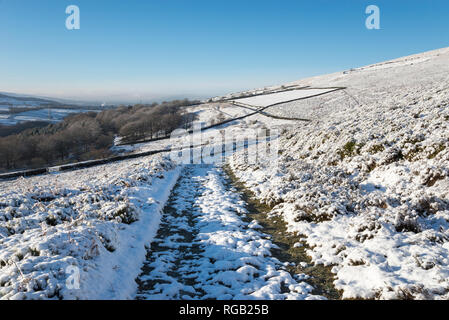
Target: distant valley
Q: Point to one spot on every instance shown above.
(18, 109)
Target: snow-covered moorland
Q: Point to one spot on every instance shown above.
(97, 220)
(366, 183)
(363, 188)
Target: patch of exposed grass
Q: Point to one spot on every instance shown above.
(34, 252)
(350, 149)
(438, 149)
(395, 156)
(376, 149)
(414, 154)
(126, 214)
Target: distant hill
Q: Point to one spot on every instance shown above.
(30, 100)
(20, 108)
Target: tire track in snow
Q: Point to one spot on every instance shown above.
(206, 249)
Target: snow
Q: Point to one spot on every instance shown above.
(97, 220)
(366, 183)
(238, 129)
(21, 102)
(38, 110)
(211, 112)
(227, 257)
(56, 115)
(279, 97)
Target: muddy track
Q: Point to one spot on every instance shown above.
(174, 247)
(208, 247)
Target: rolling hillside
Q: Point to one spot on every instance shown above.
(355, 206)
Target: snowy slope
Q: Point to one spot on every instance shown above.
(365, 184)
(367, 181)
(48, 115)
(15, 100)
(97, 220)
(37, 109)
(274, 98)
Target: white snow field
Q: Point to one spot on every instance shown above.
(366, 183)
(279, 97)
(363, 188)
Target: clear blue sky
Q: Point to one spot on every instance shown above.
(139, 49)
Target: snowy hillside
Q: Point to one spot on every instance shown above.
(362, 188)
(366, 183)
(16, 108)
(97, 220)
(22, 101)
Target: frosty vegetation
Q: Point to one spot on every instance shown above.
(97, 220)
(366, 183)
(363, 188)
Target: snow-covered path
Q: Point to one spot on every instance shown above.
(206, 247)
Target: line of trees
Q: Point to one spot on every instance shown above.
(90, 135)
(7, 130)
(143, 122)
